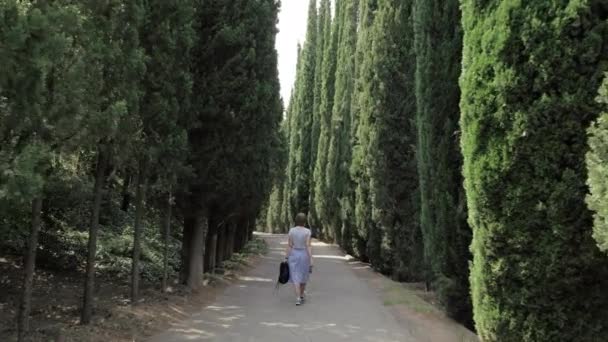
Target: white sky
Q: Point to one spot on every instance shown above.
(292, 29)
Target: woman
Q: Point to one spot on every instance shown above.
(299, 256)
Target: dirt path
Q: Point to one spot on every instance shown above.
(340, 307)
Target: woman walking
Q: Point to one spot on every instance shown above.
(299, 256)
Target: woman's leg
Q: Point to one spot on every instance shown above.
(298, 291)
(302, 289)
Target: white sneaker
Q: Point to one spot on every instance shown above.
(299, 301)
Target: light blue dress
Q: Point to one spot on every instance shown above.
(299, 260)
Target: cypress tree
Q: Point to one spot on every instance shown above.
(597, 159)
(323, 40)
(117, 62)
(361, 108)
(303, 112)
(393, 176)
(289, 203)
(531, 71)
(275, 217)
(328, 77)
(339, 150)
(233, 139)
(265, 159)
(442, 203)
(43, 90)
(167, 36)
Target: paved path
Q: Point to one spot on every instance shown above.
(340, 307)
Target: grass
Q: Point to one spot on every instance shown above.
(256, 246)
(396, 294)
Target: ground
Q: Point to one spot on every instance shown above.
(346, 301)
(57, 300)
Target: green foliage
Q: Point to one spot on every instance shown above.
(328, 75)
(63, 242)
(442, 201)
(531, 71)
(395, 248)
(362, 109)
(254, 247)
(276, 218)
(339, 152)
(303, 113)
(597, 168)
(323, 40)
(107, 85)
(168, 36)
(234, 141)
(40, 92)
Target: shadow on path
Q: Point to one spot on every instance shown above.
(340, 306)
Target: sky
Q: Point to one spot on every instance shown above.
(292, 30)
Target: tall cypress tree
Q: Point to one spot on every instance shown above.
(118, 63)
(276, 221)
(44, 90)
(339, 150)
(261, 146)
(290, 178)
(442, 203)
(393, 175)
(531, 71)
(323, 40)
(167, 36)
(303, 112)
(233, 138)
(362, 108)
(328, 77)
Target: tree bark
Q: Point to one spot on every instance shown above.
(230, 240)
(240, 235)
(89, 286)
(166, 236)
(221, 246)
(140, 199)
(196, 251)
(187, 234)
(211, 247)
(25, 306)
(250, 229)
(126, 196)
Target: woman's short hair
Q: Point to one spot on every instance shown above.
(301, 219)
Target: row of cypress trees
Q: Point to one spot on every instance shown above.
(363, 182)
(94, 94)
(450, 148)
(531, 74)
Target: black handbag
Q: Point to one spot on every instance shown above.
(283, 274)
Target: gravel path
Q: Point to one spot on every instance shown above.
(340, 307)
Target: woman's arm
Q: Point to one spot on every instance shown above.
(309, 245)
(289, 246)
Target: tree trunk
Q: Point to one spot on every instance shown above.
(140, 199)
(89, 286)
(221, 246)
(211, 248)
(196, 251)
(166, 236)
(230, 240)
(187, 234)
(126, 196)
(240, 235)
(237, 239)
(29, 268)
(250, 230)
